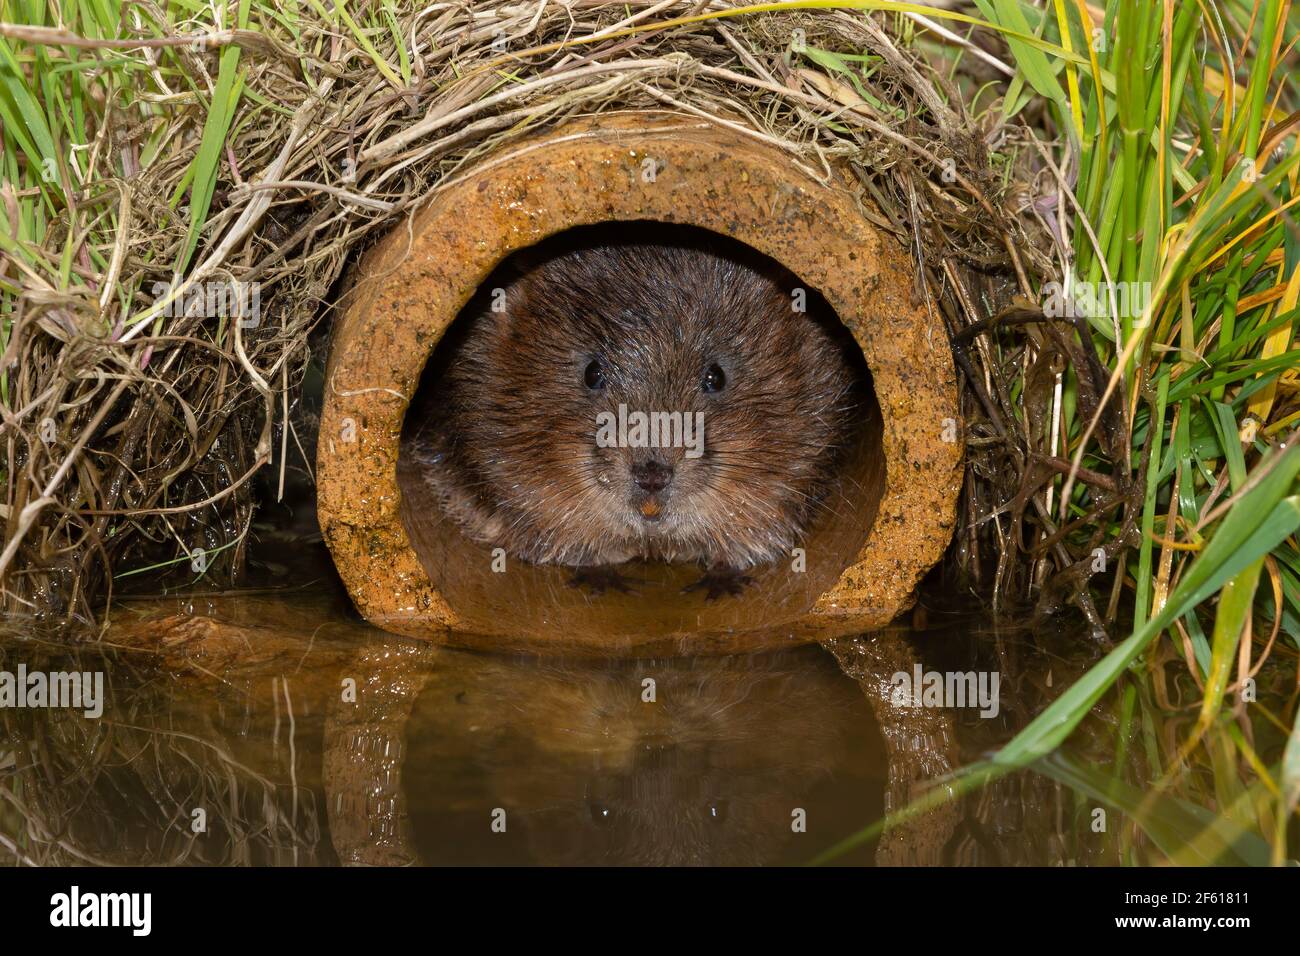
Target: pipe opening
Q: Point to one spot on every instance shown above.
(646, 397)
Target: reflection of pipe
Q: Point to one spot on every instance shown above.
(584, 722)
(586, 769)
(365, 745)
(920, 742)
(411, 286)
(745, 738)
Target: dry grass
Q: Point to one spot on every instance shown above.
(268, 148)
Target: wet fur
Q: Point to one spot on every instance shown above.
(505, 432)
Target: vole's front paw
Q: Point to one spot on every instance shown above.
(598, 580)
(719, 582)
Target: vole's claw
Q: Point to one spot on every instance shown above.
(598, 580)
(718, 584)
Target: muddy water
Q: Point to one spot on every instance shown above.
(276, 728)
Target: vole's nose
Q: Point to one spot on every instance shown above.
(652, 476)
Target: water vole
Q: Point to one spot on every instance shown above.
(527, 432)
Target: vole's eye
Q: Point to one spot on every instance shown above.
(714, 379)
(594, 376)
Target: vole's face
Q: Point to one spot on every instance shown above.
(665, 398)
(657, 392)
(674, 411)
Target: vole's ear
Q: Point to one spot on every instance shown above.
(522, 261)
(501, 294)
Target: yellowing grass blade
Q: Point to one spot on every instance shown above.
(1215, 86)
(1277, 343)
(1071, 71)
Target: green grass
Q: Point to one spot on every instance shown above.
(1181, 196)
(1190, 192)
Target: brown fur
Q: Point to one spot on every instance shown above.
(506, 430)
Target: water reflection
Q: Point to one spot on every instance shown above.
(281, 731)
(715, 761)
